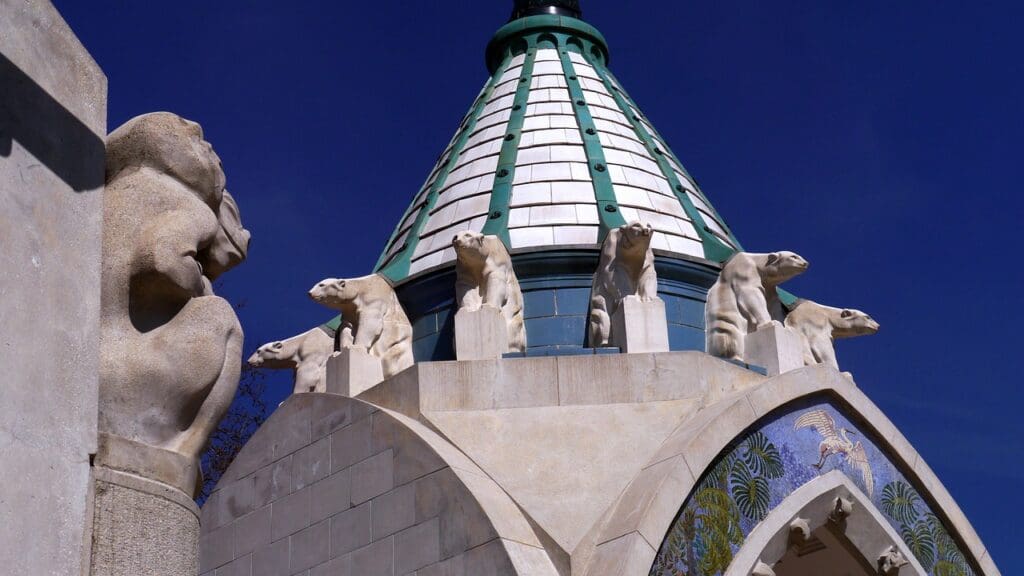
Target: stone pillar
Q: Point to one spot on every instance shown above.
(53, 108)
(480, 334)
(142, 527)
(639, 326)
(775, 348)
(352, 371)
(144, 519)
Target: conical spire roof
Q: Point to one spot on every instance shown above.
(553, 154)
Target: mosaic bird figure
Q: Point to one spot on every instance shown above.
(835, 441)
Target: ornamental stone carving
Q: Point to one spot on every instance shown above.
(485, 278)
(744, 299)
(625, 269)
(170, 349)
(890, 562)
(820, 325)
(372, 319)
(305, 354)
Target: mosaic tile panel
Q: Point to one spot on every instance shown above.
(768, 463)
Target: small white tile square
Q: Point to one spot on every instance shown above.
(686, 246)
(575, 235)
(440, 218)
(667, 205)
(523, 175)
(553, 214)
(524, 237)
(660, 242)
(528, 194)
(473, 206)
(547, 67)
(699, 202)
(542, 95)
(518, 217)
(568, 154)
(550, 171)
(580, 172)
(513, 72)
(629, 196)
(586, 213)
(537, 123)
(563, 121)
(546, 55)
(629, 214)
(534, 155)
(572, 192)
(619, 157)
(616, 174)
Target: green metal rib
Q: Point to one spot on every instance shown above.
(501, 193)
(607, 206)
(714, 249)
(679, 164)
(398, 268)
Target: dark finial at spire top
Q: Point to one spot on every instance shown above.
(558, 7)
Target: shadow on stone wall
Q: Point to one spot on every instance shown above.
(48, 131)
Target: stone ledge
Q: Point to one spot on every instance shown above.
(559, 381)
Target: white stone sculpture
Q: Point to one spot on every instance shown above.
(799, 531)
(170, 349)
(820, 325)
(744, 299)
(626, 268)
(842, 507)
(372, 319)
(305, 354)
(485, 278)
(890, 562)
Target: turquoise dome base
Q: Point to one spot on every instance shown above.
(556, 301)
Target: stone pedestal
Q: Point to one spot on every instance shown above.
(351, 371)
(480, 334)
(142, 527)
(775, 348)
(640, 326)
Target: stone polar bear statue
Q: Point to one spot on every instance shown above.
(372, 319)
(625, 268)
(170, 349)
(744, 299)
(820, 325)
(305, 354)
(484, 277)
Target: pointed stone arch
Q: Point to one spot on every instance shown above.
(812, 506)
(637, 524)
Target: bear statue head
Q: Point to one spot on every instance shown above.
(469, 246)
(333, 292)
(636, 235)
(171, 145)
(270, 355)
(781, 266)
(851, 323)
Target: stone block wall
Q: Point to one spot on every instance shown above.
(332, 486)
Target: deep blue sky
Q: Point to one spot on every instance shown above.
(880, 140)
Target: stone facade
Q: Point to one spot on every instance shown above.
(573, 465)
(335, 485)
(52, 125)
